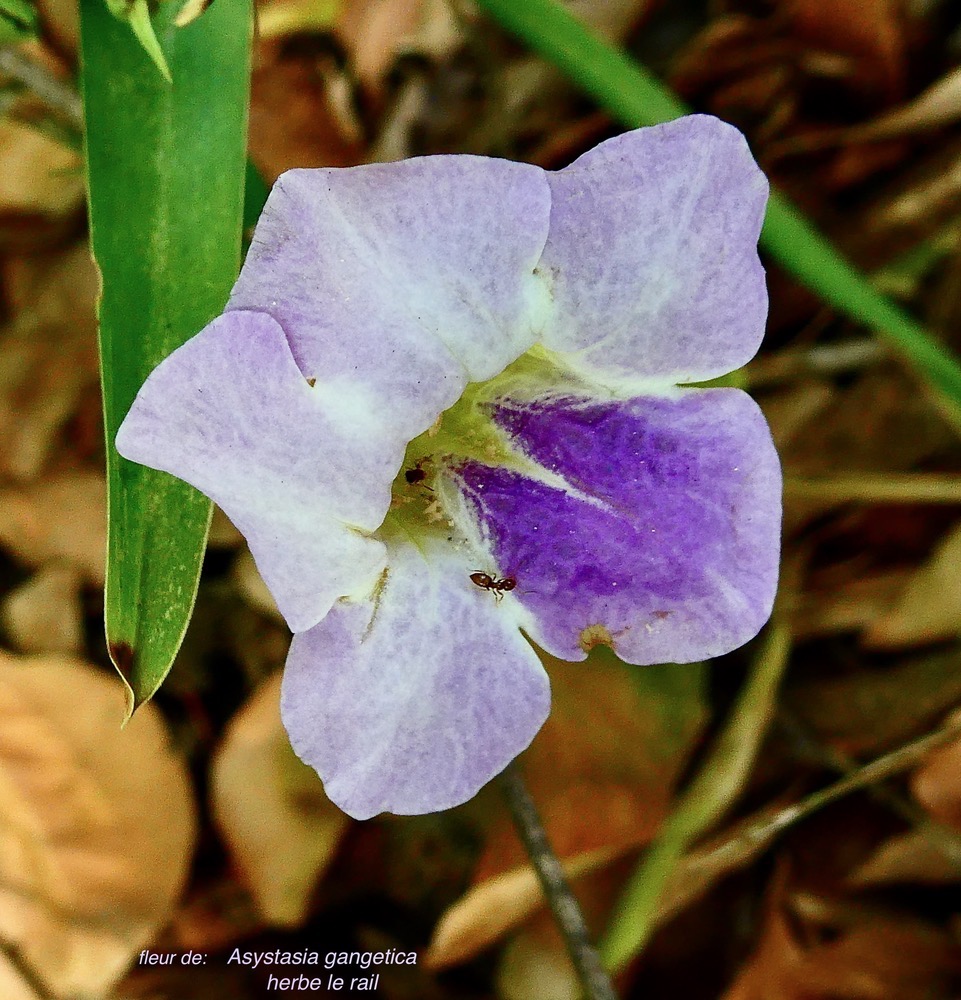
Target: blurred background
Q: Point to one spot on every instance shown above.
(196, 829)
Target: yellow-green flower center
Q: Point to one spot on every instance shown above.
(466, 432)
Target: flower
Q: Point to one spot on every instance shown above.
(443, 406)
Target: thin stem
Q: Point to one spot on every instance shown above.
(946, 840)
(567, 913)
(910, 488)
(709, 795)
(57, 95)
(13, 953)
(750, 838)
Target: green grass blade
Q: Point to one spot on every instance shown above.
(166, 167)
(710, 794)
(636, 98)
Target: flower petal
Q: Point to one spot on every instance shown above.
(397, 283)
(230, 413)
(652, 255)
(653, 528)
(412, 700)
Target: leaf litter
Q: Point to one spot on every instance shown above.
(852, 107)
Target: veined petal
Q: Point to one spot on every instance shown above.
(412, 700)
(653, 528)
(231, 413)
(652, 255)
(401, 282)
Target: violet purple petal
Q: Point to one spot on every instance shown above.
(654, 526)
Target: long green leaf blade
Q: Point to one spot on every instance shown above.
(636, 98)
(166, 166)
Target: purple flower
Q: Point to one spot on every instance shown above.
(442, 405)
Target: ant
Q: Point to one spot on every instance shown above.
(497, 587)
(418, 474)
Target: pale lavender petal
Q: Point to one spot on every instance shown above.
(413, 700)
(398, 283)
(231, 413)
(652, 255)
(654, 524)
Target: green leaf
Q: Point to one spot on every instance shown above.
(136, 13)
(138, 17)
(636, 98)
(714, 788)
(166, 169)
(255, 196)
(18, 21)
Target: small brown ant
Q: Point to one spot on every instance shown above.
(418, 473)
(497, 587)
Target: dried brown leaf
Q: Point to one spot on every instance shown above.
(280, 826)
(862, 711)
(850, 607)
(293, 119)
(44, 615)
(496, 906)
(223, 534)
(252, 587)
(936, 107)
(96, 824)
(532, 968)
(536, 964)
(869, 31)
(48, 356)
(39, 176)
(376, 31)
(878, 958)
(611, 18)
(792, 410)
(61, 23)
(929, 606)
(909, 857)
(937, 784)
(60, 519)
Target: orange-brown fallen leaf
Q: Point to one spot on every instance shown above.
(496, 906)
(928, 607)
(281, 828)
(915, 856)
(62, 518)
(869, 31)
(937, 784)
(40, 176)
(96, 825)
(44, 615)
(48, 355)
(875, 958)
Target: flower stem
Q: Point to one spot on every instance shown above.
(570, 921)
